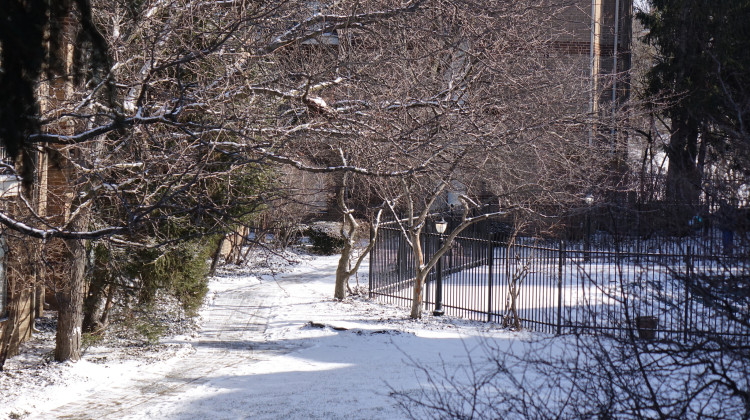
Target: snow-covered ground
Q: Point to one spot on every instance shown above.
(270, 346)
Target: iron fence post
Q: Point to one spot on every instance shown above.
(401, 259)
(490, 258)
(429, 251)
(372, 261)
(560, 262)
(439, 283)
(688, 279)
(450, 258)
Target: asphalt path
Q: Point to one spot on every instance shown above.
(233, 333)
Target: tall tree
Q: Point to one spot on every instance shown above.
(508, 134)
(703, 66)
(193, 95)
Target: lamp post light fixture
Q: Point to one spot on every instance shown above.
(440, 227)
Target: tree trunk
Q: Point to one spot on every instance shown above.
(70, 300)
(104, 320)
(8, 330)
(39, 301)
(683, 177)
(94, 304)
(342, 272)
(421, 274)
(348, 232)
(217, 255)
(416, 302)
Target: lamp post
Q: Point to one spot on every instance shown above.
(587, 252)
(440, 227)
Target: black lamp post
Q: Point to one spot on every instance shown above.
(589, 202)
(440, 227)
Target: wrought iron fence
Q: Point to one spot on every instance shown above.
(661, 286)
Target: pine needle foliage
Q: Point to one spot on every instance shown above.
(180, 270)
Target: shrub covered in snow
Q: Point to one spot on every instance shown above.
(325, 237)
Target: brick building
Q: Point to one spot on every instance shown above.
(599, 34)
(23, 279)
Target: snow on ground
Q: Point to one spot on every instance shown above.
(272, 345)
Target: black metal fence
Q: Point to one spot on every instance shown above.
(663, 286)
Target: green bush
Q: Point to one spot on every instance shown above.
(152, 332)
(325, 239)
(181, 270)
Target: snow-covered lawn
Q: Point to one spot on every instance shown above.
(270, 346)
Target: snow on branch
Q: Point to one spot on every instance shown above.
(341, 168)
(45, 234)
(329, 23)
(98, 131)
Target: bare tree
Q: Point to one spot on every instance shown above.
(174, 136)
(200, 99)
(511, 135)
(350, 231)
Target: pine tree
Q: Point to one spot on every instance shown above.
(703, 66)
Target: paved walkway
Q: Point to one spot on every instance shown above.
(232, 335)
(261, 355)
